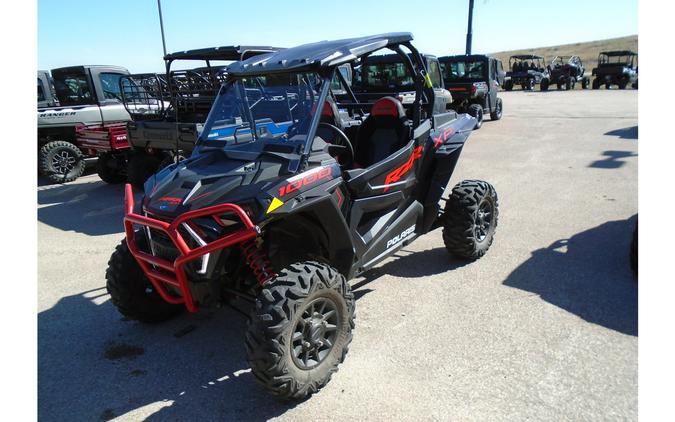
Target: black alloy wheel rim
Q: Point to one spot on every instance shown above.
(63, 162)
(483, 220)
(315, 333)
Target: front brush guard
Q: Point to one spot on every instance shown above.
(149, 262)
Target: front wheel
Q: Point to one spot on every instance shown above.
(476, 111)
(61, 161)
(471, 216)
(543, 85)
(496, 113)
(508, 85)
(300, 329)
(584, 83)
(596, 83)
(111, 168)
(131, 291)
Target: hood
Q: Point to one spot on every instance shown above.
(214, 177)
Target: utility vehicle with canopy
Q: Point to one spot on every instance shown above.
(279, 206)
(474, 82)
(616, 68)
(527, 70)
(168, 110)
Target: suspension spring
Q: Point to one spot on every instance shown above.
(257, 259)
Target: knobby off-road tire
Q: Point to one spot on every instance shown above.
(584, 83)
(131, 291)
(283, 325)
(476, 110)
(61, 161)
(141, 166)
(110, 173)
(543, 85)
(471, 215)
(496, 114)
(508, 85)
(596, 83)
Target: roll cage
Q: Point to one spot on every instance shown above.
(324, 58)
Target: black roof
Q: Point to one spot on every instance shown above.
(464, 57)
(318, 54)
(230, 52)
(393, 58)
(619, 53)
(526, 56)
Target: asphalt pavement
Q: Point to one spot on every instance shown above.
(543, 328)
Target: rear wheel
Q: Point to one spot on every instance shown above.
(622, 85)
(61, 161)
(111, 168)
(508, 85)
(596, 83)
(471, 215)
(496, 114)
(300, 329)
(568, 84)
(476, 110)
(140, 167)
(131, 291)
(584, 83)
(543, 86)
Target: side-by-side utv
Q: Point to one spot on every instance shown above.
(474, 82)
(527, 70)
(566, 71)
(616, 68)
(288, 195)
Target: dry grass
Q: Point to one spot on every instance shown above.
(588, 51)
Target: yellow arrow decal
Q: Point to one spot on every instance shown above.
(276, 203)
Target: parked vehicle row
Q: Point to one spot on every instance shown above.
(614, 68)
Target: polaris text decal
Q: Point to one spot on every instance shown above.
(403, 236)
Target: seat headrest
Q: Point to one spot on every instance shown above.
(388, 106)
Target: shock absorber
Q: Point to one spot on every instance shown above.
(257, 259)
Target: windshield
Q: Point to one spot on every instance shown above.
(463, 70)
(275, 106)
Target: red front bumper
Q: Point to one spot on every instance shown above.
(174, 272)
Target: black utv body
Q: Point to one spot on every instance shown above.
(616, 68)
(527, 70)
(168, 110)
(474, 82)
(289, 194)
(566, 71)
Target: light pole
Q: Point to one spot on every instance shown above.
(161, 24)
(468, 31)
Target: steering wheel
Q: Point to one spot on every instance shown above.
(345, 145)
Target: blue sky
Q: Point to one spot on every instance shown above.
(126, 32)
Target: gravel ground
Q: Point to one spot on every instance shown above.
(544, 327)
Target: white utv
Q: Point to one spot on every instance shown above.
(74, 98)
